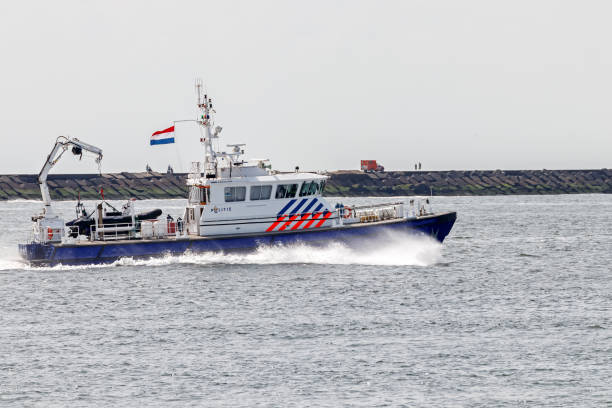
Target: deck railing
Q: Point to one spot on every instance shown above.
(370, 213)
(113, 232)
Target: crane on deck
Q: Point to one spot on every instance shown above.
(48, 221)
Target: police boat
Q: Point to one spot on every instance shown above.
(233, 204)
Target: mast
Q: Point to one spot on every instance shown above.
(206, 121)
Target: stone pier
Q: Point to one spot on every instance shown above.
(341, 183)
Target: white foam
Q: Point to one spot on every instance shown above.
(22, 200)
(8, 264)
(9, 258)
(392, 249)
(18, 264)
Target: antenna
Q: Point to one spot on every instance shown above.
(206, 122)
(198, 86)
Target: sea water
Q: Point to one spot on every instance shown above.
(514, 309)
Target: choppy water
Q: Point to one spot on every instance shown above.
(513, 310)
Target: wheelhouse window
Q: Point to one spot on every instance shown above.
(309, 188)
(304, 191)
(235, 194)
(286, 190)
(261, 192)
(322, 186)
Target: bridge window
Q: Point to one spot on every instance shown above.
(286, 190)
(235, 194)
(261, 192)
(322, 188)
(304, 191)
(309, 188)
(314, 188)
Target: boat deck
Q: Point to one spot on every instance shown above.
(245, 235)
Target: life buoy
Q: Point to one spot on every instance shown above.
(49, 233)
(347, 212)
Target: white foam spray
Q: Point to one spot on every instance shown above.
(389, 249)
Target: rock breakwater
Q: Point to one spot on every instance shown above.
(341, 183)
(471, 182)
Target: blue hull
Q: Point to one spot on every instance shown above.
(437, 226)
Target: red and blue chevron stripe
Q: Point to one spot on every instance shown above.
(288, 215)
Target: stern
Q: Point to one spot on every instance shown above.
(36, 253)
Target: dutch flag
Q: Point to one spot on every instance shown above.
(163, 136)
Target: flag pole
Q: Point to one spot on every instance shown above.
(176, 149)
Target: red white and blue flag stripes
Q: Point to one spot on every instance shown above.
(300, 220)
(163, 136)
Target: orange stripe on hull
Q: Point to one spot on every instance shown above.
(278, 221)
(325, 217)
(309, 223)
(297, 224)
(285, 225)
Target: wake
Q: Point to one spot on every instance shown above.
(394, 249)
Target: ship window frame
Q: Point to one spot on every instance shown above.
(305, 189)
(234, 194)
(293, 190)
(289, 190)
(309, 188)
(314, 187)
(261, 195)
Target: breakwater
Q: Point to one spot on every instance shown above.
(470, 182)
(341, 183)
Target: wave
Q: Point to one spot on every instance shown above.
(22, 200)
(395, 249)
(415, 252)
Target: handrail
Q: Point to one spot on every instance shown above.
(376, 205)
(110, 226)
(106, 232)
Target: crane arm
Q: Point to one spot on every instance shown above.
(62, 144)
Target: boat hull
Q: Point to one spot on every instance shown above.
(437, 226)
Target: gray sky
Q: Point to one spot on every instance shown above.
(453, 84)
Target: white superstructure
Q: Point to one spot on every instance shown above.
(231, 195)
